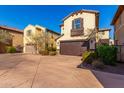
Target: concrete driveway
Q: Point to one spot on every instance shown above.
(26, 70)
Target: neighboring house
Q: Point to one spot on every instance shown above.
(32, 30)
(103, 36)
(74, 30)
(118, 22)
(17, 38)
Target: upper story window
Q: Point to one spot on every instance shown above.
(77, 23)
(28, 33)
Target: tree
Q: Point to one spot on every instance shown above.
(39, 41)
(93, 34)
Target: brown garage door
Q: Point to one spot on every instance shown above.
(73, 47)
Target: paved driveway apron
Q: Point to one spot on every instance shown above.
(44, 71)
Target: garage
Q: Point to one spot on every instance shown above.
(73, 47)
(2, 47)
(29, 48)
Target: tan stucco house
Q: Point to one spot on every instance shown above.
(17, 38)
(74, 32)
(118, 22)
(37, 30)
(103, 36)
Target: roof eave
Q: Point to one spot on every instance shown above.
(118, 12)
(107, 29)
(83, 10)
(52, 31)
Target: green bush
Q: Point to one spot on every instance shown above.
(85, 55)
(54, 49)
(51, 48)
(43, 52)
(89, 56)
(107, 54)
(10, 49)
(52, 53)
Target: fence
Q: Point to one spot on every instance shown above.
(120, 53)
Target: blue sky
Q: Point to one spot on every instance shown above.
(51, 16)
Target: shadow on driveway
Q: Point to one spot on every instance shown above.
(109, 80)
(110, 76)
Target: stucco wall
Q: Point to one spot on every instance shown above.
(123, 17)
(88, 23)
(52, 37)
(27, 39)
(36, 30)
(121, 36)
(17, 39)
(119, 33)
(103, 34)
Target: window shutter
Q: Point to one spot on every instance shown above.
(72, 24)
(82, 25)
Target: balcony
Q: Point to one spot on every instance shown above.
(77, 32)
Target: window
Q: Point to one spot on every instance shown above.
(29, 33)
(77, 24)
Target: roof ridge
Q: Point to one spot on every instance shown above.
(82, 10)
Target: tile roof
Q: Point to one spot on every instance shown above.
(80, 11)
(12, 29)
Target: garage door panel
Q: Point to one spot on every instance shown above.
(72, 48)
(30, 49)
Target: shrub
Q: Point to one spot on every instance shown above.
(52, 53)
(107, 54)
(85, 55)
(98, 64)
(54, 49)
(51, 48)
(94, 55)
(10, 49)
(89, 56)
(43, 52)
